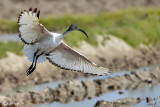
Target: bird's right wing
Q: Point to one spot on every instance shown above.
(66, 58)
(30, 30)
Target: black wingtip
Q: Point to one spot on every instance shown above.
(38, 14)
(18, 20)
(19, 16)
(30, 9)
(35, 10)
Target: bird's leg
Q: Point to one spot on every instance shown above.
(32, 61)
(35, 63)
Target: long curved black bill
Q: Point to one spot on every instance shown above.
(83, 32)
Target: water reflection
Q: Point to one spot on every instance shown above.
(142, 92)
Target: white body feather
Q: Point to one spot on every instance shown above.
(46, 45)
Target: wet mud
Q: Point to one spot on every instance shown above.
(80, 90)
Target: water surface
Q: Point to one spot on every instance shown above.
(142, 92)
(9, 37)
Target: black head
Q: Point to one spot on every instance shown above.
(75, 27)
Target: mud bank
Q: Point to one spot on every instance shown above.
(129, 102)
(144, 57)
(13, 73)
(79, 90)
(118, 55)
(125, 102)
(115, 54)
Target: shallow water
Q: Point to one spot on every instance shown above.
(9, 37)
(142, 92)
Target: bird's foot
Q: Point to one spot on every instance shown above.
(30, 68)
(29, 71)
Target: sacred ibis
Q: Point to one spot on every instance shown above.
(42, 44)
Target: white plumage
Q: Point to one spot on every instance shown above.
(29, 52)
(42, 44)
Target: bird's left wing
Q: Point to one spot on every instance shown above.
(30, 30)
(66, 58)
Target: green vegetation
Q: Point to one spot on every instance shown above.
(135, 26)
(8, 26)
(14, 47)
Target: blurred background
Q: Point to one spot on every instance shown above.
(124, 35)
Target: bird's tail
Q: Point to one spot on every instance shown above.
(29, 52)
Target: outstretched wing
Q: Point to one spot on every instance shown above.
(66, 58)
(30, 30)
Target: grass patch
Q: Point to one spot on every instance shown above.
(14, 47)
(8, 26)
(135, 26)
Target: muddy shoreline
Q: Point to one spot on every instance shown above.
(13, 75)
(124, 102)
(79, 90)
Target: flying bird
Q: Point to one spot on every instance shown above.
(42, 44)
